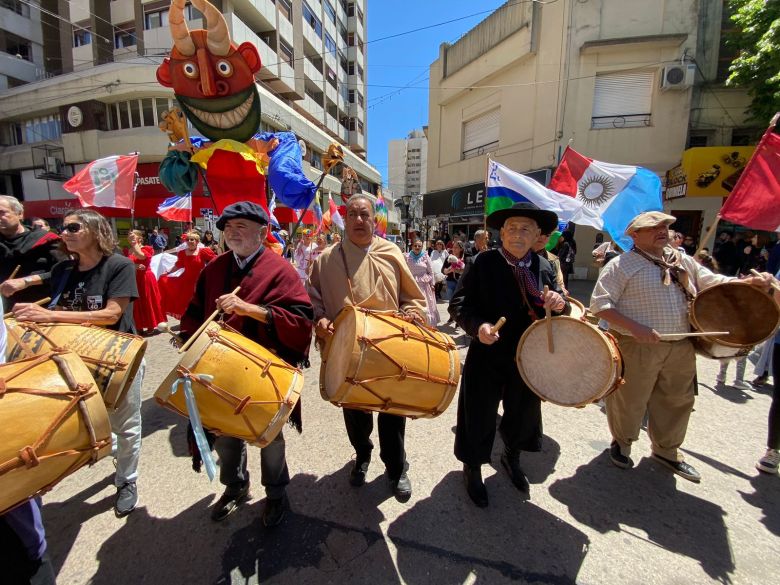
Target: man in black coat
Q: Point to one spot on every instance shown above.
(506, 282)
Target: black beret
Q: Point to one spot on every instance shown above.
(242, 210)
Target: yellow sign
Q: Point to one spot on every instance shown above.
(712, 171)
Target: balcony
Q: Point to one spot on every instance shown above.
(354, 25)
(122, 12)
(357, 141)
(286, 30)
(259, 14)
(311, 37)
(19, 68)
(315, 109)
(311, 72)
(356, 55)
(331, 92)
(332, 124)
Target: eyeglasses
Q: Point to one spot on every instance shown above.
(71, 227)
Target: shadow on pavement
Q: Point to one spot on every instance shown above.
(63, 520)
(728, 392)
(306, 547)
(609, 499)
(448, 532)
(766, 497)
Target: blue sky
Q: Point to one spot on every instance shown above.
(404, 60)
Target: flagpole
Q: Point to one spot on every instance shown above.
(707, 235)
(132, 205)
(484, 199)
(300, 219)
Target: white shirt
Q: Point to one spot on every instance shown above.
(243, 262)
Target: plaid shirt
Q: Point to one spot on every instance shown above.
(634, 287)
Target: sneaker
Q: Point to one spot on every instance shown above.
(617, 457)
(273, 513)
(742, 385)
(228, 502)
(681, 468)
(769, 462)
(402, 488)
(126, 499)
(357, 475)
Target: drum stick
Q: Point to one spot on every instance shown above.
(548, 320)
(499, 324)
(774, 282)
(202, 328)
(40, 302)
(694, 334)
(15, 272)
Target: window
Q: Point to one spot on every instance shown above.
(480, 134)
(343, 61)
(314, 22)
(343, 32)
(360, 72)
(285, 9)
(135, 114)
(16, 6)
(156, 19)
(350, 9)
(745, 136)
(344, 92)
(351, 68)
(351, 39)
(147, 107)
(287, 53)
(330, 44)
(330, 11)
(36, 130)
(622, 100)
(351, 98)
(331, 75)
(360, 127)
(360, 98)
(81, 37)
(124, 37)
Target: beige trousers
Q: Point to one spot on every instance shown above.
(659, 380)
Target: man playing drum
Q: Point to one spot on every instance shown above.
(505, 282)
(369, 272)
(644, 293)
(272, 309)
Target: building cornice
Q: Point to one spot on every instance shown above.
(666, 40)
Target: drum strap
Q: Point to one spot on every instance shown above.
(59, 287)
(346, 272)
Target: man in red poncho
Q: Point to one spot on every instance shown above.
(273, 309)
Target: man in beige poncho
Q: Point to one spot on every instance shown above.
(380, 279)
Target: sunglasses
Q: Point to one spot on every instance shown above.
(71, 227)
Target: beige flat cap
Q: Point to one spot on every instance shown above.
(649, 219)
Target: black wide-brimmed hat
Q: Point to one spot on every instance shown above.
(546, 220)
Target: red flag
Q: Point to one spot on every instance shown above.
(106, 182)
(755, 200)
(335, 216)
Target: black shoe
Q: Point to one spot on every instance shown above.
(617, 457)
(273, 513)
(475, 487)
(681, 468)
(511, 462)
(760, 380)
(402, 488)
(126, 499)
(229, 501)
(357, 475)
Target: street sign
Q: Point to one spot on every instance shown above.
(206, 212)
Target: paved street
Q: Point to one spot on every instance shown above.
(586, 521)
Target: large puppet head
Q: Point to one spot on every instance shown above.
(212, 78)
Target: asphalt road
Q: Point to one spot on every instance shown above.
(586, 520)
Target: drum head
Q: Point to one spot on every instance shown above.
(577, 308)
(749, 314)
(343, 345)
(583, 367)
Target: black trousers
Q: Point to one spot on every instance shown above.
(233, 471)
(773, 441)
(16, 567)
(482, 386)
(391, 438)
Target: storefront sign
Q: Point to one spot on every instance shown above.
(676, 184)
(712, 171)
(466, 201)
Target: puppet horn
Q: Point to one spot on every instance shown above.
(217, 36)
(179, 30)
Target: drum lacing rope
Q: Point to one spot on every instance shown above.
(403, 371)
(78, 392)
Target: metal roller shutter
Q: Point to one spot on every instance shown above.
(481, 131)
(623, 94)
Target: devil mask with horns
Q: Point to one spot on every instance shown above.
(212, 78)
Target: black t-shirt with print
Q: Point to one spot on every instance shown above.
(113, 277)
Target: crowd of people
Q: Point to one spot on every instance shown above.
(642, 295)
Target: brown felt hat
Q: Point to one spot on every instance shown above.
(649, 219)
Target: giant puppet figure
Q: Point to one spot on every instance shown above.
(212, 78)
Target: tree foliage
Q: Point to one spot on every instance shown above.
(757, 65)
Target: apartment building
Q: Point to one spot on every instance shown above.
(407, 161)
(622, 81)
(87, 88)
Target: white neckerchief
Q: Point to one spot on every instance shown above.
(242, 263)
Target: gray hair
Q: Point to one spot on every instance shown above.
(13, 203)
(480, 234)
(363, 197)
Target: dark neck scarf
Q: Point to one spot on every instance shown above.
(671, 269)
(521, 267)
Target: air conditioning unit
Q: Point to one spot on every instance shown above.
(678, 76)
(53, 165)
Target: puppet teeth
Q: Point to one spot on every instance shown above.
(225, 120)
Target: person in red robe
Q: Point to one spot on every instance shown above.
(178, 284)
(273, 309)
(147, 308)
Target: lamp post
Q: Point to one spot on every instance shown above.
(407, 201)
